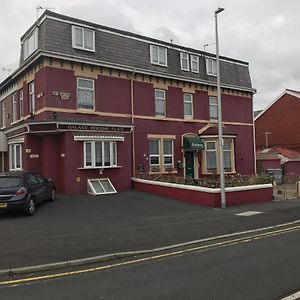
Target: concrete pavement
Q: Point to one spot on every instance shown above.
(76, 227)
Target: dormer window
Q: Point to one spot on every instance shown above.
(184, 60)
(194, 64)
(211, 67)
(158, 55)
(83, 38)
(30, 44)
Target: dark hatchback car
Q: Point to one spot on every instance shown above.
(24, 190)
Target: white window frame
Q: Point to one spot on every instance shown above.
(184, 57)
(92, 190)
(84, 30)
(21, 103)
(31, 93)
(159, 62)
(14, 165)
(113, 154)
(155, 155)
(168, 155)
(189, 102)
(161, 165)
(14, 108)
(86, 89)
(161, 99)
(32, 38)
(211, 67)
(3, 113)
(214, 140)
(213, 103)
(194, 60)
(212, 151)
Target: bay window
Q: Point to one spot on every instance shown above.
(210, 156)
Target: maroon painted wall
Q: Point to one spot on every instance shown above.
(282, 120)
(208, 199)
(293, 169)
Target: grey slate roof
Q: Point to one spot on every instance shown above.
(132, 50)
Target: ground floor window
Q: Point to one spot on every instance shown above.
(15, 157)
(210, 157)
(100, 154)
(161, 154)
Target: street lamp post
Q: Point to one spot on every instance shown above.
(220, 128)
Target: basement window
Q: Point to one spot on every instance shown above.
(100, 186)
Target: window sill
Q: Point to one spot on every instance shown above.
(163, 172)
(98, 168)
(217, 173)
(85, 110)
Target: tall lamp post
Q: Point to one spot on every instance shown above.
(220, 128)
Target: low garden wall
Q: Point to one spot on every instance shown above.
(206, 196)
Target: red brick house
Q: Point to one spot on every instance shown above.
(90, 102)
(278, 124)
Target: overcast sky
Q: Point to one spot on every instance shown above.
(266, 33)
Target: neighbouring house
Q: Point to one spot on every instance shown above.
(278, 124)
(280, 162)
(89, 102)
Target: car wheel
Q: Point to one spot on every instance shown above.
(53, 194)
(30, 209)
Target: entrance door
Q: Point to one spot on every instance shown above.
(189, 164)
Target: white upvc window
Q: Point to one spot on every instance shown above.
(161, 153)
(21, 108)
(83, 38)
(85, 93)
(158, 55)
(211, 67)
(168, 153)
(31, 98)
(3, 113)
(14, 108)
(213, 108)
(154, 157)
(100, 186)
(188, 105)
(30, 44)
(100, 154)
(184, 61)
(160, 103)
(211, 156)
(227, 152)
(194, 63)
(15, 157)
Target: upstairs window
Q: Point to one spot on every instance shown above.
(184, 60)
(188, 105)
(158, 55)
(160, 103)
(31, 98)
(3, 113)
(14, 108)
(194, 64)
(85, 93)
(21, 96)
(211, 67)
(83, 38)
(213, 108)
(30, 44)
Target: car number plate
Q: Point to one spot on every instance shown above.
(3, 205)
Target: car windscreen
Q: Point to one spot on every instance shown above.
(10, 182)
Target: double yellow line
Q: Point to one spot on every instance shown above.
(245, 239)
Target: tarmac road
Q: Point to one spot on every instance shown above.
(83, 226)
